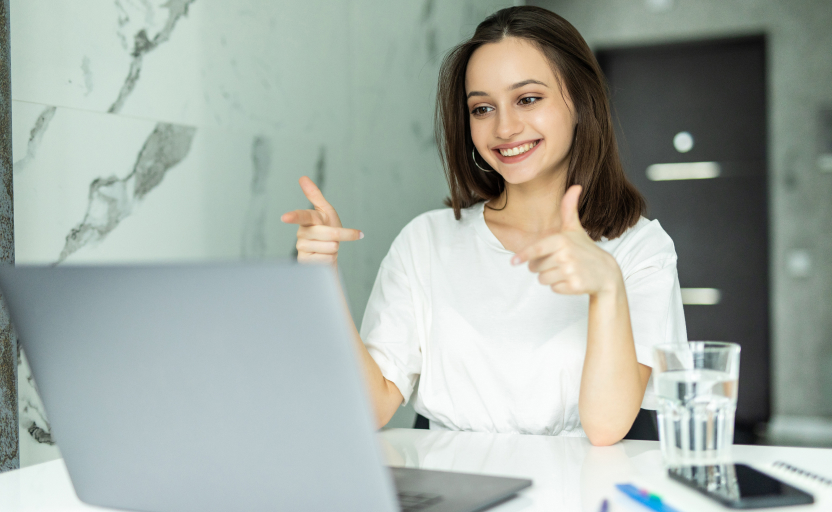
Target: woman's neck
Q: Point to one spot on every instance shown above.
(532, 207)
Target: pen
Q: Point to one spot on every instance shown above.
(649, 500)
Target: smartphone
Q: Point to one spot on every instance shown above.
(739, 486)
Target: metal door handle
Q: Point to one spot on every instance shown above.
(701, 296)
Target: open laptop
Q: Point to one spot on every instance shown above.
(214, 388)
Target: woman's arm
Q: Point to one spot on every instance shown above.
(384, 395)
(319, 235)
(613, 381)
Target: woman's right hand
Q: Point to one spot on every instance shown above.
(319, 230)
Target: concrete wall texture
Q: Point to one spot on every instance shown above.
(799, 49)
(9, 446)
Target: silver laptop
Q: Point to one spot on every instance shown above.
(214, 388)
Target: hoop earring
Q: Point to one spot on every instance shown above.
(474, 157)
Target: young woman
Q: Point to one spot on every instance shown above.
(530, 305)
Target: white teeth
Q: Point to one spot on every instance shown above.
(518, 150)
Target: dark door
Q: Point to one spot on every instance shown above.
(705, 103)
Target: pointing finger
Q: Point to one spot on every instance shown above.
(570, 218)
(329, 234)
(303, 217)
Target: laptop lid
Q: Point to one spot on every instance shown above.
(209, 387)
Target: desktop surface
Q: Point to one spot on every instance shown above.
(569, 474)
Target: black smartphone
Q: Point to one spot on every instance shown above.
(739, 486)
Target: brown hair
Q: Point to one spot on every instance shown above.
(609, 202)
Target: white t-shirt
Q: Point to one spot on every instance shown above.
(491, 348)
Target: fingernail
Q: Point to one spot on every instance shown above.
(515, 260)
(360, 235)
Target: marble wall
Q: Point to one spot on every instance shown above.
(176, 130)
(799, 45)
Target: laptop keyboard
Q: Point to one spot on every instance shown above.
(414, 502)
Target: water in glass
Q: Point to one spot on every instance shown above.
(696, 415)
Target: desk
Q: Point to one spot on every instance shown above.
(569, 474)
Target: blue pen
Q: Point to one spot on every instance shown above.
(647, 499)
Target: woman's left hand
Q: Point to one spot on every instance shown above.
(569, 261)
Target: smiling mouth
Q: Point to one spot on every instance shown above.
(518, 150)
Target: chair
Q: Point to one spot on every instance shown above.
(645, 427)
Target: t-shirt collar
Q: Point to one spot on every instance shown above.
(473, 216)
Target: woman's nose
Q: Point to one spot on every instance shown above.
(508, 125)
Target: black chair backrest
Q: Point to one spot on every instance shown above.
(645, 427)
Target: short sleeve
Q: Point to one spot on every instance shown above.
(656, 313)
(389, 328)
(654, 298)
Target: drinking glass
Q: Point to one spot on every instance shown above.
(696, 386)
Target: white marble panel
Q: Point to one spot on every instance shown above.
(206, 206)
(244, 64)
(51, 190)
(36, 444)
(67, 53)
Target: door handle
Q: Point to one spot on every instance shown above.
(701, 296)
(684, 171)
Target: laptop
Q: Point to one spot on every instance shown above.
(215, 387)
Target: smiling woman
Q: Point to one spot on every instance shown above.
(545, 76)
(453, 323)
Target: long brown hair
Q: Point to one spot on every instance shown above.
(609, 202)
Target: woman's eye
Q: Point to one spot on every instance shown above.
(479, 111)
(528, 100)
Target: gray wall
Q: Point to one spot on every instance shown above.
(799, 77)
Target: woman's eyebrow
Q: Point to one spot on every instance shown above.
(526, 82)
(515, 86)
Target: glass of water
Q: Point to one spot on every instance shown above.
(696, 386)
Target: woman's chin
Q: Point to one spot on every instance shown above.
(515, 175)
(518, 176)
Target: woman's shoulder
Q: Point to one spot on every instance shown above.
(644, 241)
(431, 231)
(439, 223)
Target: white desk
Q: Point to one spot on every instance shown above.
(569, 474)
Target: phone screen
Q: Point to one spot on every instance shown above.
(739, 486)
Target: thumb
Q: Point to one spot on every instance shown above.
(313, 193)
(570, 220)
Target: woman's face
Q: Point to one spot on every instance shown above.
(521, 122)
